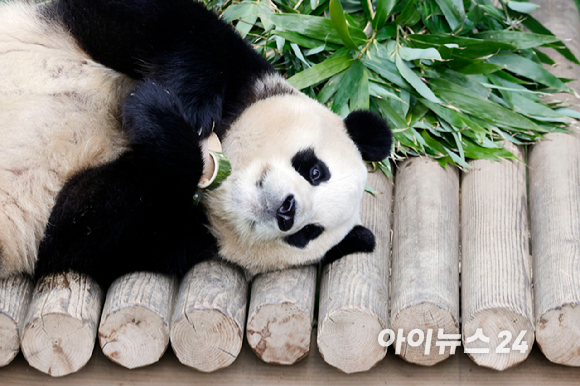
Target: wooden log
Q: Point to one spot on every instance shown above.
(208, 322)
(555, 208)
(354, 292)
(134, 328)
(496, 265)
(425, 266)
(561, 18)
(15, 294)
(280, 314)
(61, 325)
(555, 215)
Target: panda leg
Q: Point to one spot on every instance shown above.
(137, 212)
(110, 220)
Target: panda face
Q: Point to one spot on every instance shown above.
(296, 184)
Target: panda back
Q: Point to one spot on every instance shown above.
(59, 114)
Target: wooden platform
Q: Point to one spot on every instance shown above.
(249, 370)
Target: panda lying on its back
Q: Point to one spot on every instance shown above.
(103, 106)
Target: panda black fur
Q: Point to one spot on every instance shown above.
(103, 107)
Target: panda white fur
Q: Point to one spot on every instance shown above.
(103, 107)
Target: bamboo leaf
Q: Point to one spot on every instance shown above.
(384, 8)
(390, 113)
(304, 41)
(470, 103)
(468, 47)
(382, 66)
(320, 72)
(245, 25)
(240, 11)
(522, 7)
(525, 67)
(453, 11)
(536, 27)
(330, 88)
(480, 68)
(415, 81)
(360, 100)
(367, 6)
(313, 26)
(339, 22)
(346, 90)
(569, 113)
(409, 15)
(382, 91)
(519, 39)
(418, 53)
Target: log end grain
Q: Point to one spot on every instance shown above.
(15, 295)
(206, 339)
(348, 339)
(280, 333)
(9, 339)
(60, 329)
(558, 334)
(57, 344)
(425, 316)
(494, 322)
(133, 336)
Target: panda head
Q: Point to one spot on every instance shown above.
(297, 180)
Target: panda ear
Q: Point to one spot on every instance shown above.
(359, 239)
(370, 133)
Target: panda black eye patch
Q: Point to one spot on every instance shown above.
(309, 166)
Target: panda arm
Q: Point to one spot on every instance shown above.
(176, 42)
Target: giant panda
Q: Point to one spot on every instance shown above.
(105, 109)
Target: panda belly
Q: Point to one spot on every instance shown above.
(59, 114)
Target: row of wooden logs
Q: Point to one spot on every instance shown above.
(55, 323)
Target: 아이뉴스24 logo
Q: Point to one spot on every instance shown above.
(417, 337)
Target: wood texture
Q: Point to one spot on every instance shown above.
(61, 325)
(496, 265)
(555, 209)
(249, 370)
(15, 294)
(208, 322)
(425, 266)
(134, 328)
(281, 313)
(354, 292)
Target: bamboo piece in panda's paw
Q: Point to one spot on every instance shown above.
(354, 291)
(425, 266)
(210, 312)
(61, 325)
(15, 294)
(134, 328)
(280, 315)
(497, 310)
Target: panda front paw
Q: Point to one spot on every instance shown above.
(203, 112)
(160, 133)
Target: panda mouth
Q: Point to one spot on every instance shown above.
(304, 236)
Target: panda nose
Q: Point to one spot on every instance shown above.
(285, 213)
